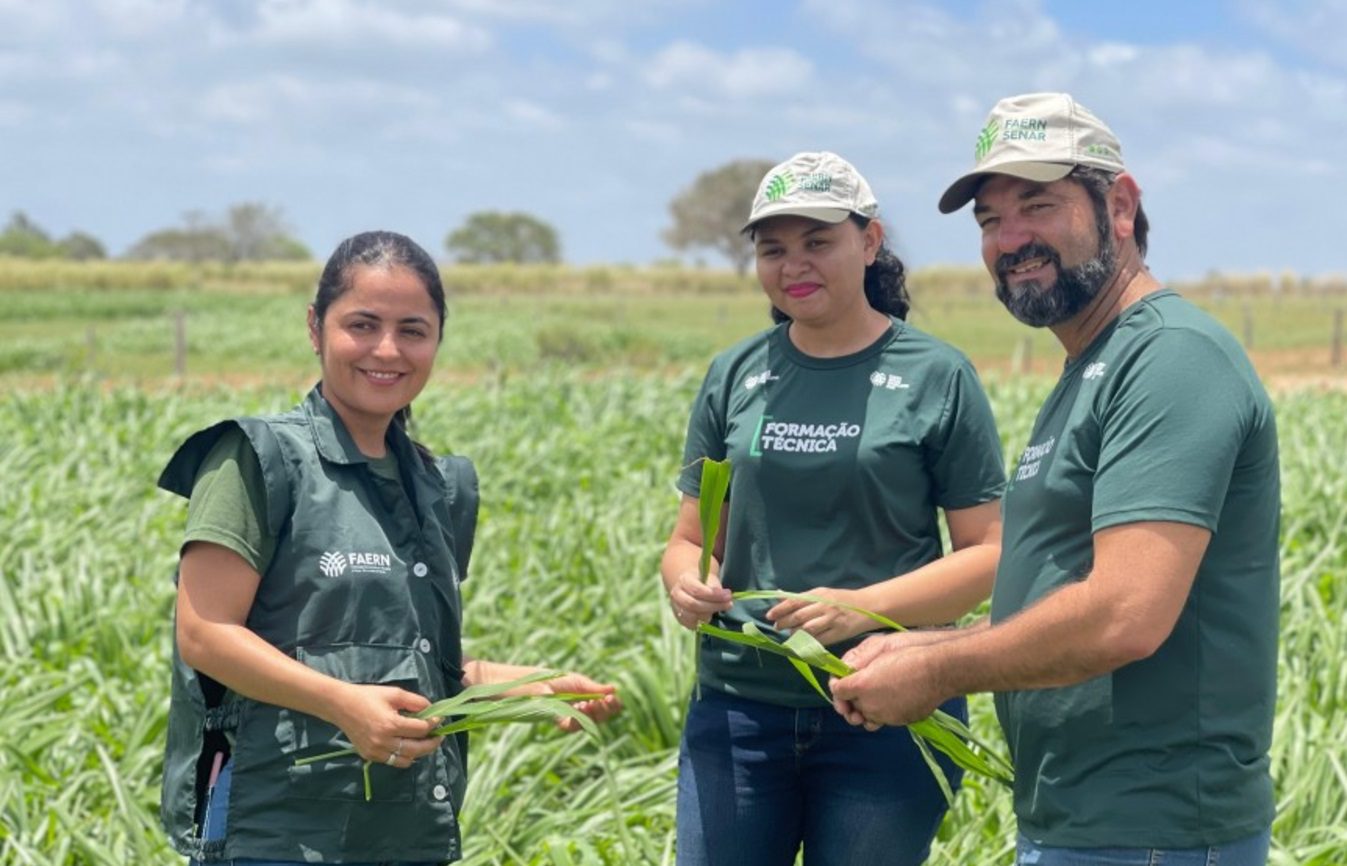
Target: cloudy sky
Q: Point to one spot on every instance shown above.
(117, 116)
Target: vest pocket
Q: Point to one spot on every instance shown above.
(304, 735)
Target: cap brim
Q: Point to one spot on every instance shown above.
(822, 214)
(961, 192)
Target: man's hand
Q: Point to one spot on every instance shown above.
(895, 682)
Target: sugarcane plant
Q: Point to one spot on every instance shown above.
(487, 704)
(939, 731)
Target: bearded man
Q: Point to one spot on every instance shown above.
(1132, 641)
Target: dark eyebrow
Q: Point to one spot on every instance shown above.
(1034, 189)
(405, 320)
(821, 227)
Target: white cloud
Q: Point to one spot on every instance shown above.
(25, 19)
(533, 115)
(584, 15)
(140, 18)
(354, 21)
(14, 113)
(274, 97)
(744, 74)
(1112, 54)
(203, 99)
(656, 131)
(1316, 27)
(1193, 76)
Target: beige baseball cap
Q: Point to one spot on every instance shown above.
(817, 184)
(1036, 136)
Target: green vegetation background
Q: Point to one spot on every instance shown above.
(573, 404)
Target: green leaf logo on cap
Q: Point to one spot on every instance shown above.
(986, 138)
(778, 186)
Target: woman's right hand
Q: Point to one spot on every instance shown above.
(372, 717)
(694, 602)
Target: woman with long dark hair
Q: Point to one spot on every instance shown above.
(318, 599)
(847, 430)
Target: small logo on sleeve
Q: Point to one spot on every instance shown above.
(756, 379)
(1094, 371)
(888, 380)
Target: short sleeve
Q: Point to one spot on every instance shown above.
(706, 432)
(228, 501)
(964, 451)
(1170, 428)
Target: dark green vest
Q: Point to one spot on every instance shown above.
(364, 587)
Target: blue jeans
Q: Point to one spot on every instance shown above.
(1251, 851)
(216, 821)
(757, 781)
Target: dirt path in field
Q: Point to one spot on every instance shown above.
(1280, 369)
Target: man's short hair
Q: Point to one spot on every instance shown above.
(1096, 182)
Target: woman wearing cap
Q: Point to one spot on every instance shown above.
(318, 599)
(847, 430)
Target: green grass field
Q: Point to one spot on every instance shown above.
(578, 497)
(573, 406)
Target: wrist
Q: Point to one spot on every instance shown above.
(946, 670)
(330, 701)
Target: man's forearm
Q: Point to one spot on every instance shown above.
(1063, 639)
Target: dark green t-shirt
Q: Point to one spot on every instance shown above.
(228, 505)
(1162, 418)
(838, 467)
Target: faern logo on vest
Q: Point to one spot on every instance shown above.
(334, 563)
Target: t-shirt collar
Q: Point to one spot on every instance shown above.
(334, 441)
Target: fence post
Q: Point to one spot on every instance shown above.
(1336, 359)
(1022, 360)
(179, 343)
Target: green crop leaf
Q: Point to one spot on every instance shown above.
(484, 705)
(483, 690)
(880, 618)
(807, 648)
(715, 485)
(939, 731)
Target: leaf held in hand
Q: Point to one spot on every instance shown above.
(715, 485)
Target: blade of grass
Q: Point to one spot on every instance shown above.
(715, 485)
(880, 618)
(934, 766)
(481, 706)
(940, 730)
(483, 690)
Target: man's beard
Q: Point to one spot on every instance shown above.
(1040, 306)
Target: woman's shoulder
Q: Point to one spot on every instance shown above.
(746, 350)
(254, 438)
